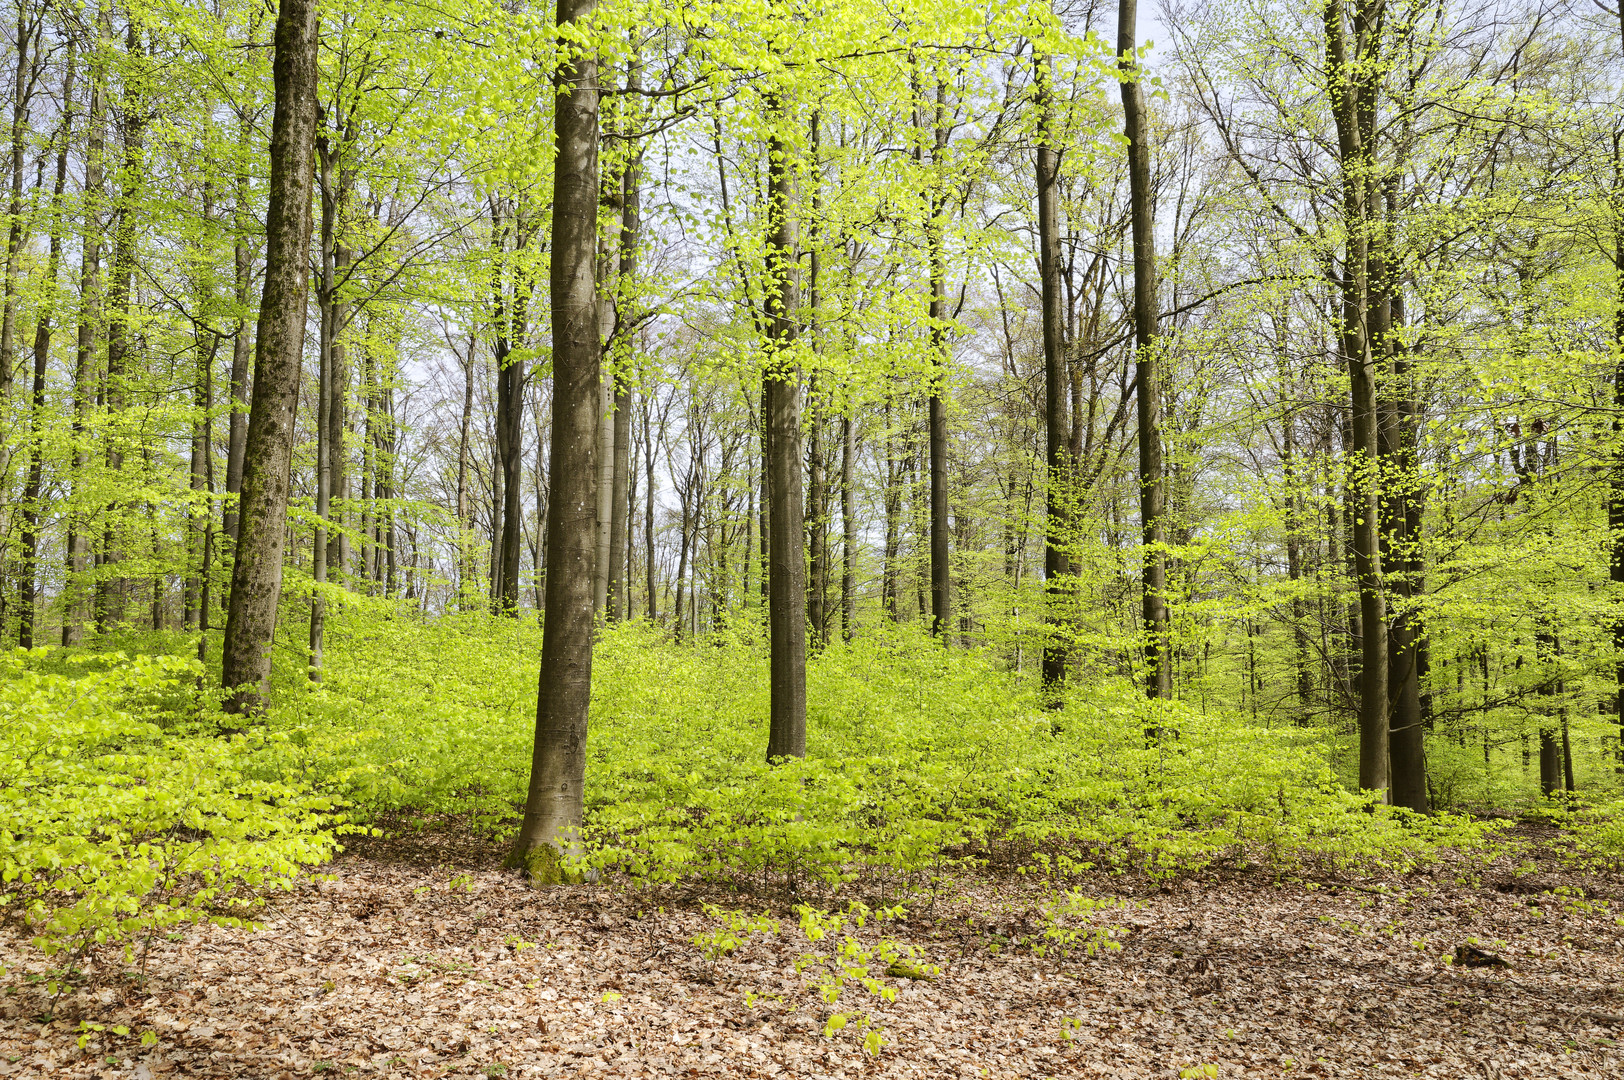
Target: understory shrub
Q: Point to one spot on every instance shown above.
(918, 759)
(123, 809)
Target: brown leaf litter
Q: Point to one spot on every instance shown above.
(388, 969)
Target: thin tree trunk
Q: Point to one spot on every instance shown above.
(1158, 676)
(112, 592)
(29, 583)
(786, 567)
(848, 524)
(465, 513)
(256, 579)
(30, 61)
(75, 614)
(648, 512)
(617, 586)
(1615, 500)
(817, 487)
(1055, 649)
(553, 805)
(940, 568)
(241, 351)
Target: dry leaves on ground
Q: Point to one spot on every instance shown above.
(386, 969)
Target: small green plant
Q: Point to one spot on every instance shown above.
(1205, 1071)
(460, 883)
(735, 928)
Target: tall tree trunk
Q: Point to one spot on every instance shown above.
(890, 574)
(848, 525)
(256, 577)
(465, 513)
(241, 348)
(1401, 553)
(325, 302)
(25, 78)
(201, 518)
(29, 571)
(112, 591)
(618, 584)
(1055, 649)
(786, 566)
(648, 512)
(510, 380)
(75, 613)
(936, 209)
(817, 494)
(1615, 501)
(1158, 676)
(1352, 106)
(552, 815)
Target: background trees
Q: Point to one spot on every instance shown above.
(881, 307)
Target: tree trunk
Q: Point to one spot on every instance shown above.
(1055, 649)
(256, 578)
(1158, 676)
(936, 208)
(465, 513)
(1615, 500)
(1352, 105)
(510, 380)
(111, 592)
(74, 614)
(29, 572)
(648, 512)
(30, 61)
(618, 584)
(1401, 525)
(241, 350)
(848, 525)
(325, 302)
(786, 567)
(553, 805)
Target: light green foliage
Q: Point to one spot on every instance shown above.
(918, 760)
(849, 961)
(123, 812)
(735, 928)
(1068, 927)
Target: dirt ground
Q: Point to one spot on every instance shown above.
(396, 968)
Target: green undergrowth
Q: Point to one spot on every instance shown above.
(920, 761)
(127, 806)
(123, 810)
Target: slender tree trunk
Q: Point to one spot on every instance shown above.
(256, 578)
(1055, 650)
(75, 613)
(648, 513)
(112, 591)
(29, 584)
(936, 409)
(465, 513)
(1615, 501)
(241, 351)
(1351, 104)
(1401, 524)
(324, 402)
(618, 584)
(848, 524)
(24, 79)
(1158, 676)
(786, 566)
(553, 806)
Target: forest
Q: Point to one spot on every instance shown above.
(812, 538)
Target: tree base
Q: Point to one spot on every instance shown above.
(544, 866)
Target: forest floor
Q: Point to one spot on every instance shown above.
(410, 962)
